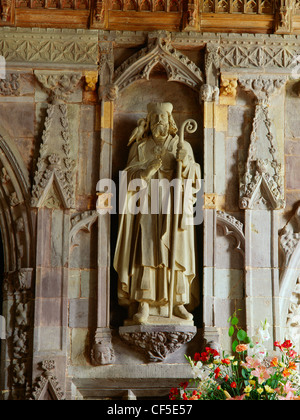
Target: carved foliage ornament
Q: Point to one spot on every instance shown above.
(157, 345)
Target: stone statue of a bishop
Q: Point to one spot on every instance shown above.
(144, 245)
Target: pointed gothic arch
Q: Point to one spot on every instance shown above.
(15, 219)
(179, 67)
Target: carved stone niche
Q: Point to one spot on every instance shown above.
(157, 342)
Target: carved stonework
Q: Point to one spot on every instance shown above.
(59, 86)
(293, 320)
(10, 85)
(228, 90)
(210, 201)
(179, 68)
(157, 342)
(91, 80)
(53, 182)
(47, 385)
(233, 228)
(290, 236)
(209, 93)
(18, 286)
(262, 177)
(102, 352)
(83, 221)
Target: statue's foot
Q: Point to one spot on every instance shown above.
(141, 317)
(181, 312)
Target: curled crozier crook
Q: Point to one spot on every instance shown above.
(190, 126)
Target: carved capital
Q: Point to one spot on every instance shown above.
(263, 87)
(58, 85)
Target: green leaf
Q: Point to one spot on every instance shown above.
(234, 321)
(231, 331)
(241, 335)
(234, 345)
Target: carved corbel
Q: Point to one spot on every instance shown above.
(262, 177)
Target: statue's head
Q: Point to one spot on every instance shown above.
(160, 120)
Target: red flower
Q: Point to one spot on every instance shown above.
(197, 357)
(217, 372)
(204, 357)
(173, 393)
(287, 344)
(212, 351)
(184, 385)
(184, 396)
(226, 378)
(233, 384)
(226, 361)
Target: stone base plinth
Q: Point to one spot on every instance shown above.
(157, 341)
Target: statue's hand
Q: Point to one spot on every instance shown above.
(153, 167)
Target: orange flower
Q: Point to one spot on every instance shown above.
(292, 365)
(241, 348)
(274, 362)
(286, 373)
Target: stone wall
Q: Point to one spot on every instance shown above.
(66, 116)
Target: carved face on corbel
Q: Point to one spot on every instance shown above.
(103, 353)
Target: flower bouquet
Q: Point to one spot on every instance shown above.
(248, 374)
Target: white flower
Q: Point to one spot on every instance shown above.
(263, 332)
(197, 370)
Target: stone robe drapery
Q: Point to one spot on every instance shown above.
(143, 251)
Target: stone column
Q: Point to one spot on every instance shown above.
(102, 351)
(212, 137)
(262, 199)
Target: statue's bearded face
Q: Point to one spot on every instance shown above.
(159, 124)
